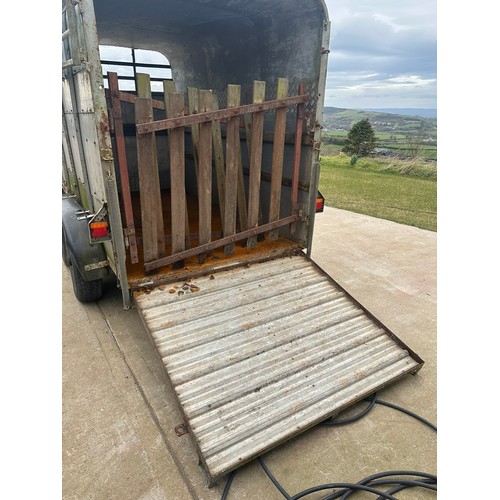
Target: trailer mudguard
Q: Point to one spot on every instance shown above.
(90, 259)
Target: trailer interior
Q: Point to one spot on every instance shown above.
(235, 178)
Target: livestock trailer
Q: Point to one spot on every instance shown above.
(191, 139)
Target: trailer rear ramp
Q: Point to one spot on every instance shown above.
(260, 353)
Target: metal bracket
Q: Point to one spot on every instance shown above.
(83, 215)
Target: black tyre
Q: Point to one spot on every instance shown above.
(85, 291)
(65, 254)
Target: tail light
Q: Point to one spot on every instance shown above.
(98, 229)
(320, 202)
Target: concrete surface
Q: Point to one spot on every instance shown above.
(119, 412)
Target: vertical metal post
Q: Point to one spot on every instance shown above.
(297, 156)
(122, 163)
(118, 257)
(315, 170)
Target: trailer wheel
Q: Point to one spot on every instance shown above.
(65, 254)
(85, 291)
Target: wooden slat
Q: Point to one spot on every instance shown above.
(278, 152)
(122, 164)
(194, 107)
(232, 155)
(205, 173)
(168, 88)
(218, 153)
(148, 185)
(150, 196)
(177, 175)
(297, 156)
(259, 92)
(242, 202)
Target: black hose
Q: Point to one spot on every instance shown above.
(408, 412)
(429, 481)
(273, 479)
(345, 486)
(349, 420)
(228, 485)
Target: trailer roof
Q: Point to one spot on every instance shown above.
(211, 43)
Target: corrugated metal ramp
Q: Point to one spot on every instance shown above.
(258, 354)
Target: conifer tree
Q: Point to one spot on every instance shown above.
(361, 139)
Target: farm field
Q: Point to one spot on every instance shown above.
(396, 134)
(397, 190)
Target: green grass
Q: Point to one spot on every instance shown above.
(400, 191)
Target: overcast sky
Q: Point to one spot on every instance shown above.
(383, 54)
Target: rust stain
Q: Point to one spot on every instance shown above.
(103, 125)
(135, 272)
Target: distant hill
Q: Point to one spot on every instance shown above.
(381, 120)
(423, 112)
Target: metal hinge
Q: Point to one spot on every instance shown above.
(303, 212)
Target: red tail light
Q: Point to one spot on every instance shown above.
(320, 202)
(99, 229)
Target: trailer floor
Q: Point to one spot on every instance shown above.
(120, 414)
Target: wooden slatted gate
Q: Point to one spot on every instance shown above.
(204, 118)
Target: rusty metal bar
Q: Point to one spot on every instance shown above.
(182, 121)
(297, 155)
(192, 252)
(122, 164)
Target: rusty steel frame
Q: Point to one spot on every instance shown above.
(223, 114)
(183, 121)
(122, 163)
(192, 252)
(297, 154)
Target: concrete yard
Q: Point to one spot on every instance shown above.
(120, 413)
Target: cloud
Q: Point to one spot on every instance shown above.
(383, 54)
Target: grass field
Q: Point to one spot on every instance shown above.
(398, 143)
(404, 192)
